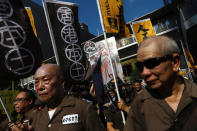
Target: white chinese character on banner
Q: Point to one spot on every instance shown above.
(69, 34)
(5, 9)
(65, 15)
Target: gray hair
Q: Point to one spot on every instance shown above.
(55, 69)
(165, 45)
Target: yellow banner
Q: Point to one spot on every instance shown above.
(143, 29)
(113, 18)
(124, 30)
(31, 18)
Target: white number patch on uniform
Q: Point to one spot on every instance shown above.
(70, 119)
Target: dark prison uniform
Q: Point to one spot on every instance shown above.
(71, 115)
(150, 114)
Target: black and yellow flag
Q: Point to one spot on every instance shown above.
(190, 60)
(21, 52)
(143, 29)
(113, 18)
(31, 18)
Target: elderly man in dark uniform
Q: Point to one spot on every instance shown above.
(61, 113)
(169, 102)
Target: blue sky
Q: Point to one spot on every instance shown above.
(88, 11)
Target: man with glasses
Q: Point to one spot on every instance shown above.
(169, 101)
(23, 105)
(24, 102)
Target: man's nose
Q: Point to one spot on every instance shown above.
(39, 85)
(145, 71)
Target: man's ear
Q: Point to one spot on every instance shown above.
(176, 62)
(62, 83)
(30, 101)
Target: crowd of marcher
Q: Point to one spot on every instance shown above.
(166, 102)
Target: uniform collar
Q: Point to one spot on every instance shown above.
(67, 101)
(190, 88)
(145, 94)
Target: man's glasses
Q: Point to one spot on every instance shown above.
(20, 99)
(152, 62)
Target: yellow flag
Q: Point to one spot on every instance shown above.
(113, 18)
(31, 18)
(143, 29)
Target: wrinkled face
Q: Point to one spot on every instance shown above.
(21, 103)
(47, 85)
(160, 74)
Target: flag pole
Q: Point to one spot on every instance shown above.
(5, 109)
(189, 74)
(51, 32)
(105, 37)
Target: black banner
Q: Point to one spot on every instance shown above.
(63, 21)
(20, 50)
